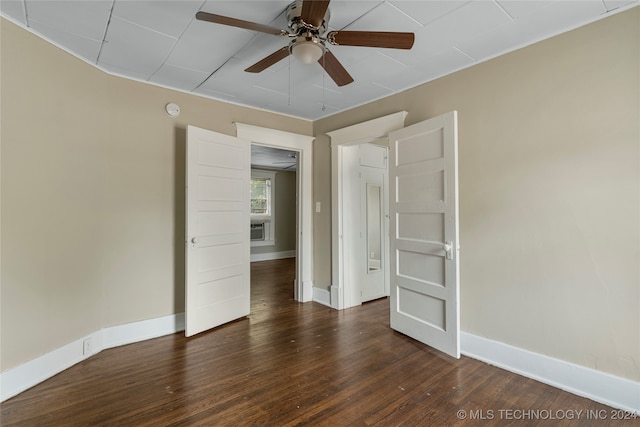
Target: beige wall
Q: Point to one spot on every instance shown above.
(92, 195)
(285, 198)
(549, 145)
(92, 179)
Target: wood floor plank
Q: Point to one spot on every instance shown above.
(290, 364)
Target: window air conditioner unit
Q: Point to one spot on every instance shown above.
(257, 231)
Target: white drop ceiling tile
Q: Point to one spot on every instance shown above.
(502, 39)
(428, 11)
(296, 77)
(402, 79)
(343, 13)
(472, 19)
(310, 105)
(519, 8)
(354, 94)
(132, 47)
(13, 9)
(375, 68)
(316, 92)
(615, 4)
(179, 78)
(261, 12)
(445, 63)
(348, 55)
(385, 18)
(261, 97)
(85, 18)
(220, 96)
(561, 16)
(82, 47)
(168, 16)
(205, 47)
(441, 35)
(231, 80)
(275, 83)
(556, 18)
(311, 94)
(306, 110)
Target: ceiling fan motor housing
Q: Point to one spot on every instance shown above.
(298, 26)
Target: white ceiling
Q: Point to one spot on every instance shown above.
(273, 158)
(160, 42)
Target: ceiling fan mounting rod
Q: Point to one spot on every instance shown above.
(298, 25)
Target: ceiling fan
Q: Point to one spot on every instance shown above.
(292, 163)
(307, 22)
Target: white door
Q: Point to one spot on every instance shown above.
(424, 232)
(217, 285)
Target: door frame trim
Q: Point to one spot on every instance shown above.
(360, 133)
(303, 288)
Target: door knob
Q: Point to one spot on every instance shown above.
(448, 249)
(195, 240)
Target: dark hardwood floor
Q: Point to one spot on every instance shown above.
(294, 364)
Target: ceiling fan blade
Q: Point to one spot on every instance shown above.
(267, 62)
(239, 23)
(313, 11)
(371, 39)
(334, 68)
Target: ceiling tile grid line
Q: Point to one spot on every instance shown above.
(160, 42)
(104, 33)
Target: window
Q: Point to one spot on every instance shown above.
(263, 184)
(260, 196)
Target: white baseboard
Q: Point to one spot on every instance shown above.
(16, 380)
(273, 255)
(322, 296)
(116, 336)
(599, 386)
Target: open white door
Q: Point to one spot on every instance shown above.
(423, 192)
(217, 284)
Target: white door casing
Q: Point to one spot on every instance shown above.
(424, 247)
(341, 140)
(217, 285)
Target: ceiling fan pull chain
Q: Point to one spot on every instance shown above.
(289, 101)
(323, 74)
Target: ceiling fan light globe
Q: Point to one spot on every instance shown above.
(307, 52)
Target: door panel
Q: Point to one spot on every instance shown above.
(217, 284)
(424, 233)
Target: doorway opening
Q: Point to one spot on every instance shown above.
(301, 145)
(274, 196)
(348, 189)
